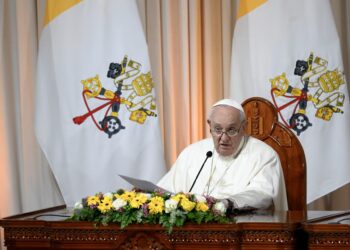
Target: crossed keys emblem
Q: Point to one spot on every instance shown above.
(139, 101)
(320, 87)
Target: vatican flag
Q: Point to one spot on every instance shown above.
(288, 52)
(96, 113)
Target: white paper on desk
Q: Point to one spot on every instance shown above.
(144, 185)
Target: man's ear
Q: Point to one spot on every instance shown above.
(208, 121)
(244, 124)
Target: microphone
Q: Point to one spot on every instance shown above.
(209, 154)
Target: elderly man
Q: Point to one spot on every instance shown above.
(239, 169)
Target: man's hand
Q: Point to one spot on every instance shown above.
(229, 205)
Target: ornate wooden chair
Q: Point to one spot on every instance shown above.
(262, 118)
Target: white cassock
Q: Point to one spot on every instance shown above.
(253, 177)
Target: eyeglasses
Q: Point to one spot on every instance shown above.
(231, 132)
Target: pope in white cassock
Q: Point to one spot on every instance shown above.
(243, 171)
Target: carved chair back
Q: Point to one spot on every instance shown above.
(262, 123)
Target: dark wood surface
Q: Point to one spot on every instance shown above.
(46, 229)
(328, 232)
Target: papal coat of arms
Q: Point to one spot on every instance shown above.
(128, 80)
(320, 90)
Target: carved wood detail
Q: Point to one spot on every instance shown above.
(255, 126)
(257, 121)
(207, 237)
(330, 239)
(85, 235)
(142, 241)
(268, 237)
(282, 137)
(27, 233)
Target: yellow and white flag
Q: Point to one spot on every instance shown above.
(96, 113)
(288, 52)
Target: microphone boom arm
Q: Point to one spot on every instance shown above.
(209, 154)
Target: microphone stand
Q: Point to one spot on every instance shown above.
(209, 154)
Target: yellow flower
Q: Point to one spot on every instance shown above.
(107, 199)
(184, 202)
(105, 205)
(93, 200)
(156, 205)
(138, 201)
(178, 197)
(187, 205)
(202, 206)
(128, 196)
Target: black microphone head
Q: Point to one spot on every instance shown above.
(209, 154)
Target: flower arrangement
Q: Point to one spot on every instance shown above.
(169, 210)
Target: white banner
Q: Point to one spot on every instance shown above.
(96, 111)
(288, 52)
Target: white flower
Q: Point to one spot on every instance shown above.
(78, 205)
(220, 207)
(148, 195)
(200, 198)
(118, 203)
(170, 205)
(109, 195)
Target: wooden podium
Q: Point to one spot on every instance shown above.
(330, 231)
(47, 229)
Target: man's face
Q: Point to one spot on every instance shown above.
(226, 129)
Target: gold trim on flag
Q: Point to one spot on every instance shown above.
(55, 8)
(246, 6)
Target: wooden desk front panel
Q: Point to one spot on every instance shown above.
(73, 235)
(267, 231)
(328, 231)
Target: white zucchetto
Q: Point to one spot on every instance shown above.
(231, 103)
